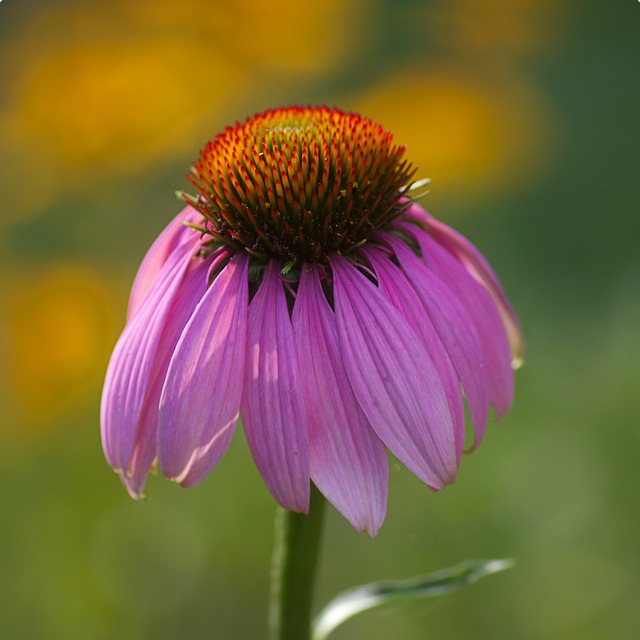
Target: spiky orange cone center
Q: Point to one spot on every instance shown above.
(299, 183)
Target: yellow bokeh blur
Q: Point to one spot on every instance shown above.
(131, 100)
(115, 85)
(59, 325)
(99, 91)
(113, 97)
(466, 133)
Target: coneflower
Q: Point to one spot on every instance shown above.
(303, 289)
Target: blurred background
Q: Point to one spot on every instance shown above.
(524, 114)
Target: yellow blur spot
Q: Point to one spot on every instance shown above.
(59, 328)
(463, 132)
(121, 103)
(114, 85)
(97, 91)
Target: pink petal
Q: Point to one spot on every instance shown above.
(201, 395)
(476, 264)
(145, 445)
(456, 328)
(395, 286)
(485, 316)
(272, 407)
(133, 365)
(175, 232)
(348, 461)
(389, 370)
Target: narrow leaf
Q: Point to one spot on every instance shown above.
(369, 596)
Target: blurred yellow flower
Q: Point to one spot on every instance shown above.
(59, 324)
(282, 36)
(101, 90)
(464, 132)
(118, 104)
(115, 84)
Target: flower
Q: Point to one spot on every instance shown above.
(303, 289)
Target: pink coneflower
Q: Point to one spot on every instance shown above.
(304, 290)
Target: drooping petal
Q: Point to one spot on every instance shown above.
(348, 461)
(396, 287)
(272, 408)
(133, 365)
(476, 264)
(389, 370)
(455, 327)
(145, 444)
(201, 395)
(175, 232)
(482, 309)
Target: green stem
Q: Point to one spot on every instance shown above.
(295, 552)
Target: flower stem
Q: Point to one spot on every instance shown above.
(295, 552)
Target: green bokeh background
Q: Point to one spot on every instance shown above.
(526, 117)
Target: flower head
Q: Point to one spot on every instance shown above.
(303, 289)
(299, 184)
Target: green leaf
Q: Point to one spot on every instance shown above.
(429, 585)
